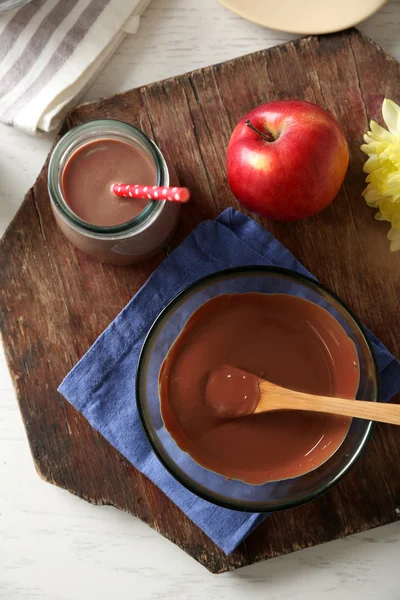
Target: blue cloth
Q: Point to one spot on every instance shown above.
(101, 385)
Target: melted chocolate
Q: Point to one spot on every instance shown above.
(92, 170)
(231, 392)
(285, 339)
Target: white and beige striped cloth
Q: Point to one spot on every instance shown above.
(50, 50)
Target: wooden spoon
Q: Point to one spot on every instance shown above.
(233, 393)
(274, 397)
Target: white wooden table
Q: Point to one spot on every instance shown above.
(54, 546)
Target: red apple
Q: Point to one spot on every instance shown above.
(286, 160)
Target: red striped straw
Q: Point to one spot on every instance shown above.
(152, 192)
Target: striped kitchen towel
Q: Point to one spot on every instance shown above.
(51, 50)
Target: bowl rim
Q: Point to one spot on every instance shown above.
(170, 465)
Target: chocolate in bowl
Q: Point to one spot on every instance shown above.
(288, 340)
(274, 495)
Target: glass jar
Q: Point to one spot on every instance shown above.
(129, 242)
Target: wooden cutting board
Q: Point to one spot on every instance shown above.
(54, 301)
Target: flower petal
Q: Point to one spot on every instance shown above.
(372, 164)
(368, 139)
(391, 116)
(372, 196)
(379, 133)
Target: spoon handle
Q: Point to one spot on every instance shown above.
(274, 397)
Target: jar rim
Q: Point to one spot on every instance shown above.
(55, 191)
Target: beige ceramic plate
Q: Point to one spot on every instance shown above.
(305, 16)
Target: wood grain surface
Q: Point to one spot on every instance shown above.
(55, 301)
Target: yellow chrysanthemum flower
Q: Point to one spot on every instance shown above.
(383, 168)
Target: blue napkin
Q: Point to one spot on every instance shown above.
(101, 387)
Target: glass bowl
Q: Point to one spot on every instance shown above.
(272, 496)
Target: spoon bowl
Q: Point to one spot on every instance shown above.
(232, 393)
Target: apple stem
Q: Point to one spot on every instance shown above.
(266, 135)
